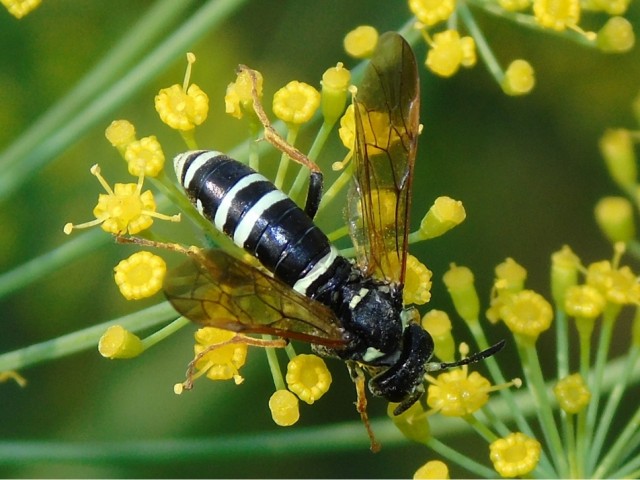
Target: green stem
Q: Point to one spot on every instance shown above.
(481, 43)
(464, 461)
(623, 441)
(562, 343)
(292, 135)
(274, 366)
(165, 332)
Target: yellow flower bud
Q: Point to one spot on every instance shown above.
(438, 324)
(519, 78)
(430, 12)
(117, 342)
(335, 85)
(460, 285)
(361, 41)
(432, 470)
(616, 36)
(120, 133)
(616, 146)
(614, 216)
(413, 423)
(444, 214)
(564, 274)
(284, 408)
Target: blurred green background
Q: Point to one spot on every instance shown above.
(527, 169)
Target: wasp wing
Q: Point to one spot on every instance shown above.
(386, 109)
(215, 289)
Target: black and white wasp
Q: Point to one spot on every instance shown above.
(350, 310)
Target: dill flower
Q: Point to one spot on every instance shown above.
(308, 377)
(618, 285)
(20, 8)
(616, 36)
(616, 146)
(284, 408)
(296, 102)
(519, 78)
(238, 98)
(527, 314)
(430, 12)
(515, 455)
(223, 359)
(557, 14)
(445, 214)
(117, 342)
(564, 273)
(456, 394)
(124, 209)
(432, 470)
(144, 157)
(614, 216)
(335, 84)
(438, 324)
(584, 301)
(460, 285)
(183, 107)
(417, 283)
(572, 393)
(120, 133)
(361, 41)
(140, 276)
(449, 52)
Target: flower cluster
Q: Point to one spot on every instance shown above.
(449, 49)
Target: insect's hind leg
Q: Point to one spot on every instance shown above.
(357, 375)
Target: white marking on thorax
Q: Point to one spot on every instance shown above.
(253, 215)
(372, 354)
(316, 271)
(358, 298)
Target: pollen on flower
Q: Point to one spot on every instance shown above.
(223, 359)
(284, 408)
(572, 393)
(183, 107)
(239, 98)
(117, 342)
(20, 8)
(527, 314)
(296, 102)
(515, 455)
(460, 285)
(123, 209)
(308, 377)
(413, 423)
(120, 133)
(430, 12)
(144, 157)
(584, 301)
(449, 52)
(432, 470)
(614, 216)
(361, 41)
(445, 214)
(519, 78)
(140, 276)
(335, 85)
(417, 284)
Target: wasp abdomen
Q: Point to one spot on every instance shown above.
(257, 216)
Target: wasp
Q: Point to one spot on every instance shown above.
(347, 309)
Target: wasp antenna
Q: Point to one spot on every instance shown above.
(476, 357)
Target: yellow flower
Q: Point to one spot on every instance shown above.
(564, 273)
(430, 12)
(438, 324)
(614, 216)
(444, 214)
(449, 51)
(572, 393)
(456, 393)
(515, 455)
(433, 469)
(223, 361)
(296, 102)
(20, 8)
(584, 301)
(140, 276)
(460, 285)
(308, 377)
(117, 342)
(361, 41)
(239, 97)
(417, 282)
(335, 85)
(619, 286)
(183, 107)
(413, 423)
(284, 408)
(144, 157)
(120, 133)
(527, 314)
(557, 14)
(617, 35)
(519, 78)
(123, 209)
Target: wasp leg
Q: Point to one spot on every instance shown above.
(314, 194)
(357, 375)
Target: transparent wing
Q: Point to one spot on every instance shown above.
(218, 290)
(386, 110)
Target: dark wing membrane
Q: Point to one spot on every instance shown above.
(387, 125)
(218, 290)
